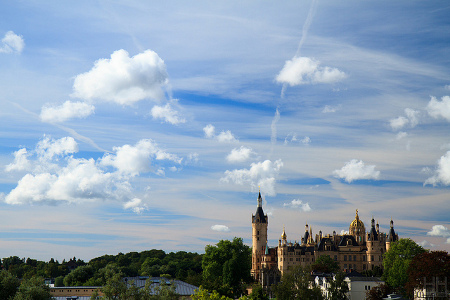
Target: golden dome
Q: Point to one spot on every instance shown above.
(356, 223)
(283, 235)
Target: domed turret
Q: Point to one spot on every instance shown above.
(357, 229)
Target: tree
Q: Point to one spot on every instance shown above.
(226, 267)
(427, 265)
(8, 285)
(378, 292)
(258, 293)
(325, 264)
(338, 287)
(34, 289)
(202, 294)
(115, 288)
(296, 284)
(396, 262)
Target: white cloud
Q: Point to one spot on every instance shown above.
(442, 173)
(135, 205)
(221, 228)
(209, 131)
(306, 140)
(356, 170)
(12, 43)
(304, 70)
(273, 127)
(439, 109)
(343, 232)
(226, 137)
(123, 79)
(298, 204)
(68, 110)
(261, 174)
(222, 137)
(21, 161)
(48, 148)
(240, 154)
(447, 87)
(330, 109)
(426, 244)
(439, 230)
(71, 180)
(167, 114)
(401, 135)
(411, 119)
(136, 159)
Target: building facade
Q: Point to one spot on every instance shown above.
(359, 250)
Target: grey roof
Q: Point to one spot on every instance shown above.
(181, 288)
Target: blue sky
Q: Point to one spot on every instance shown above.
(131, 125)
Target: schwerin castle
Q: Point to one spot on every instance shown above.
(358, 250)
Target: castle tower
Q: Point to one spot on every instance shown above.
(259, 238)
(392, 236)
(358, 230)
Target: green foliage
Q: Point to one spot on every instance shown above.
(258, 293)
(8, 285)
(296, 284)
(226, 267)
(325, 264)
(202, 294)
(396, 262)
(79, 276)
(33, 289)
(338, 288)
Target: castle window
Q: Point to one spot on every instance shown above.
(258, 232)
(257, 238)
(350, 258)
(364, 258)
(345, 257)
(354, 257)
(335, 258)
(345, 266)
(364, 266)
(372, 258)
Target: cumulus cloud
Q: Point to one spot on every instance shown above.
(221, 228)
(442, 172)
(330, 109)
(411, 118)
(209, 131)
(356, 170)
(441, 231)
(56, 176)
(123, 79)
(68, 110)
(304, 70)
(439, 109)
(298, 204)
(12, 43)
(240, 154)
(21, 161)
(137, 159)
(222, 137)
(167, 114)
(401, 135)
(426, 244)
(135, 205)
(261, 174)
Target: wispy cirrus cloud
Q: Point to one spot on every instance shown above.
(356, 170)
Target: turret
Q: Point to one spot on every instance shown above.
(392, 236)
(259, 237)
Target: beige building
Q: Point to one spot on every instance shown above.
(359, 250)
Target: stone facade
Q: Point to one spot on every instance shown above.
(358, 250)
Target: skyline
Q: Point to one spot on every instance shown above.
(128, 125)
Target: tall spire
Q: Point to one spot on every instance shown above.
(259, 199)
